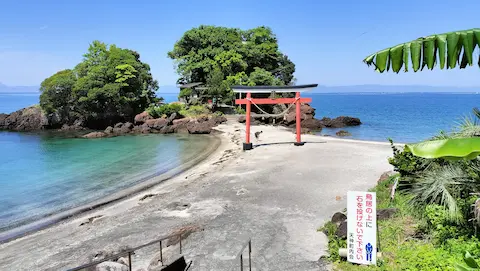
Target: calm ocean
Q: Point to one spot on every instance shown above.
(42, 174)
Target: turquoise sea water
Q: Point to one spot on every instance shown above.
(42, 174)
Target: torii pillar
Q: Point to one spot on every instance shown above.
(248, 101)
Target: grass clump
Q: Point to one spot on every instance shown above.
(195, 111)
(165, 110)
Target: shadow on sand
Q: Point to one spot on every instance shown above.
(287, 143)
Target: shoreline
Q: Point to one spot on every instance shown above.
(142, 185)
(147, 183)
(228, 194)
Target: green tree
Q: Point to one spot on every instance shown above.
(243, 56)
(56, 93)
(217, 88)
(110, 84)
(185, 93)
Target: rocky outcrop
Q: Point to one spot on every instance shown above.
(312, 124)
(201, 125)
(307, 117)
(142, 118)
(156, 124)
(77, 125)
(27, 119)
(95, 135)
(343, 133)
(340, 122)
(180, 125)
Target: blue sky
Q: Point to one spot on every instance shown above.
(327, 40)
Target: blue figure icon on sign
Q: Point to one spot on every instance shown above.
(369, 251)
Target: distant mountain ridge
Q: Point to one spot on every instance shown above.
(18, 89)
(319, 89)
(394, 89)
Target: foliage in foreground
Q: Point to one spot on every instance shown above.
(452, 48)
(409, 240)
(109, 84)
(450, 183)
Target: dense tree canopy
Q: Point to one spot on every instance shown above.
(241, 57)
(110, 84)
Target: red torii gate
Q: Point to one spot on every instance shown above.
(272, 89)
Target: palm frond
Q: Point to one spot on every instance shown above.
(439, 186)
(476, 113)
(451, 149)
(454, 47)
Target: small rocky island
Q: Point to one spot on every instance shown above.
(35, 119)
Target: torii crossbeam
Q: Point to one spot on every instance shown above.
(273, 89)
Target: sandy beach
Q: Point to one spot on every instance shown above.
(276, 194)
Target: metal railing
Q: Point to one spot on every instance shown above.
(240, 256)
(131, 251)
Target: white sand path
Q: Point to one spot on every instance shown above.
(277, 194)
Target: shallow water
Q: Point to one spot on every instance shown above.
(42, 174)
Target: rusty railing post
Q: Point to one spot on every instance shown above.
(161, 252)
(180, 235)
(250, 255)
(130, 261)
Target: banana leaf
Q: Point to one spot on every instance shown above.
(455, 47)
(451, 149)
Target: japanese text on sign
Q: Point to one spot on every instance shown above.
(362, 227)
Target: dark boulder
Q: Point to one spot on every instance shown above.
(312, 124)
(195, 127)
(387, 213)
(338, 218)
(128, 125)
(216, 120)
(141, 129)
(77, 125)
(342, 230)
(95, 135)
(168, 129)
(142, 118)
(385, 176)
(243, 119)
(125, 128)
(156, 124)
(343, 133)
(340, 122)
(2, 119)
(108, 130)
(118, 125)
(180, 125)
(27, 119)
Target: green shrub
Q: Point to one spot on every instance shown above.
(194, 111)
(164, 110)
(405, 163)
(334, 243)
(239, 110)
(218, 113)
